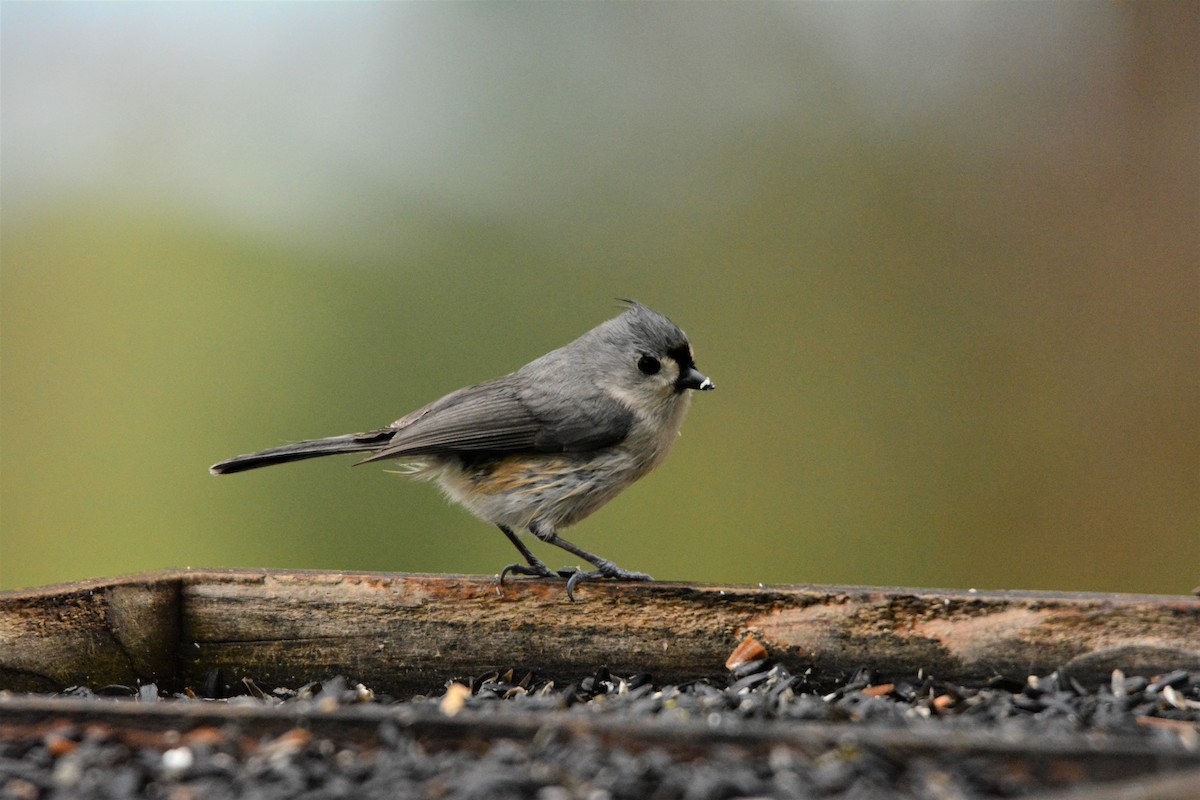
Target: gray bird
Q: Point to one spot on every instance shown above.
(541, 448)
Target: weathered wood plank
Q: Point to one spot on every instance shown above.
(402, 634)
(408, 632)
(94, 633)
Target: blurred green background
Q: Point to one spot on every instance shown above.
(942, 261)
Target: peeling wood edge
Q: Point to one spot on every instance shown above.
(185, 576)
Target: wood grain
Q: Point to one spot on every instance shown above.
(403, 634)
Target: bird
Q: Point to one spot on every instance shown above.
(541, 448)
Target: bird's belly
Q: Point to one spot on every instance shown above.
(557, 490)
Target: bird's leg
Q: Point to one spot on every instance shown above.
(533, 565)
(604, 567)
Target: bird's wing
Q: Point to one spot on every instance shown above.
(495, 417)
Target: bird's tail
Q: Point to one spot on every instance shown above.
(350, 443)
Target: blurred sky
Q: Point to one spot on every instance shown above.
(942, 261)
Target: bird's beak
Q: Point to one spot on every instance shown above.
(692, 379)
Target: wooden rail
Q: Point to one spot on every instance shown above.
(404, 634)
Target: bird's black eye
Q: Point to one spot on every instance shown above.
(649, 365)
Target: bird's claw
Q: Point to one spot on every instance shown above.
(573, 575)
(605, 570)
(538, 570)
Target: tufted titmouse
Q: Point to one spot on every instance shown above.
(545, 446)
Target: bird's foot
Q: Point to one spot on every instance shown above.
(604, 569)
(538, 570)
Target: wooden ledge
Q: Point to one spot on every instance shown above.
(403, 633)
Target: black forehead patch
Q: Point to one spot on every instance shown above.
(682, 355)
